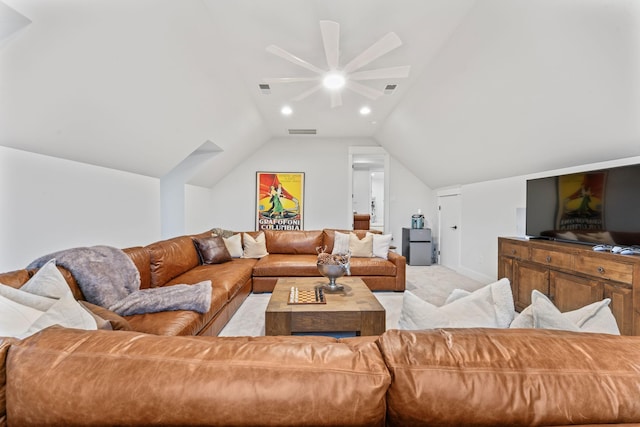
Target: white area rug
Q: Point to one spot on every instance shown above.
(432, 283)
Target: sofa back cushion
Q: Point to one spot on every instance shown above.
(510, 377)
(142, 260)
(204, 380)
(170, 258)
(15, 278)
(293, 242)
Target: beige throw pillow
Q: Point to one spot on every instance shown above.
(254, 248)
(361, 248)
(234, 245)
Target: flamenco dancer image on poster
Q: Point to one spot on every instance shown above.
(276, 210)
(271, 187)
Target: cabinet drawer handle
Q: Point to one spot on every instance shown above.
(601, 270)
(548, 258)
(513, 251)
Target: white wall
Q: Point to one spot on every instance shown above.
(199, 208)
(407, 194)
(377, 193)
(48, 204)
(489, 210)
(325, 164)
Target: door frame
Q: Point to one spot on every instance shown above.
(450, 192)
(364, 150)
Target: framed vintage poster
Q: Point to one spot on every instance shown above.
(279, 200)
(580, 201)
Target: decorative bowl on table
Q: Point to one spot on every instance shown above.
(333, 266)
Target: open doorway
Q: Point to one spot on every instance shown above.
(369, 184)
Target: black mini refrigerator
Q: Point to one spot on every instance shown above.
(417, 246)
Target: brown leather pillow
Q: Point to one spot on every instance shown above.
(118, 323)
(212, 250)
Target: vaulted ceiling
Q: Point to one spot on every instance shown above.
(496, 88)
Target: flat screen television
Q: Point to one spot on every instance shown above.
(594, 207)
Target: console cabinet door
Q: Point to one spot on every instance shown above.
(505, 269)
(527, 277)
(621, 305)
(570, 292)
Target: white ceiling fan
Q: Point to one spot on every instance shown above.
(335, 78)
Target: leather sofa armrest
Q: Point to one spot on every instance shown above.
(401, 270)
(5, 343)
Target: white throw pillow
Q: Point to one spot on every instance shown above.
(542, 313)
(381, 243)
(47, 282)
(254, 248)
(234, 245)
(340, 243)
(456, 294)
(47, 297)
(489, 307)
(361, 248)
(15, 318)
(65, 312)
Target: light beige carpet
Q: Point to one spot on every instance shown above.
(432, 283)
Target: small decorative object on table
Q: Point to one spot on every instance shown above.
(333, 266)
(306, 296)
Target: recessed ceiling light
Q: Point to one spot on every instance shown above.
(333, 81)
(286, 110)
(365, 110)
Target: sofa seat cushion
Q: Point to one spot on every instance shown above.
(279, 265)
(372, 267)
(179, 322)
(510, 377)
(129, 378)
(230, 276)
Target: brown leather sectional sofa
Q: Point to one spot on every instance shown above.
(175, 261)
(463, 377)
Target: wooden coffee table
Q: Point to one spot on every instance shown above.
(355, 309)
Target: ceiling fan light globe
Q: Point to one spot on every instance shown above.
(333, 81)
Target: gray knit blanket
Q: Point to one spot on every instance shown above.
(110, 279)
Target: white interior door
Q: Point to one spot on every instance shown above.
(372, 160)
(449, 231)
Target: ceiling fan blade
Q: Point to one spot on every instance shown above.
(289, 79)
(376, 50)
(336, 99)
(306, 93)
(363, 90)
(278, 51)
(382, 73)
(331, 39)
